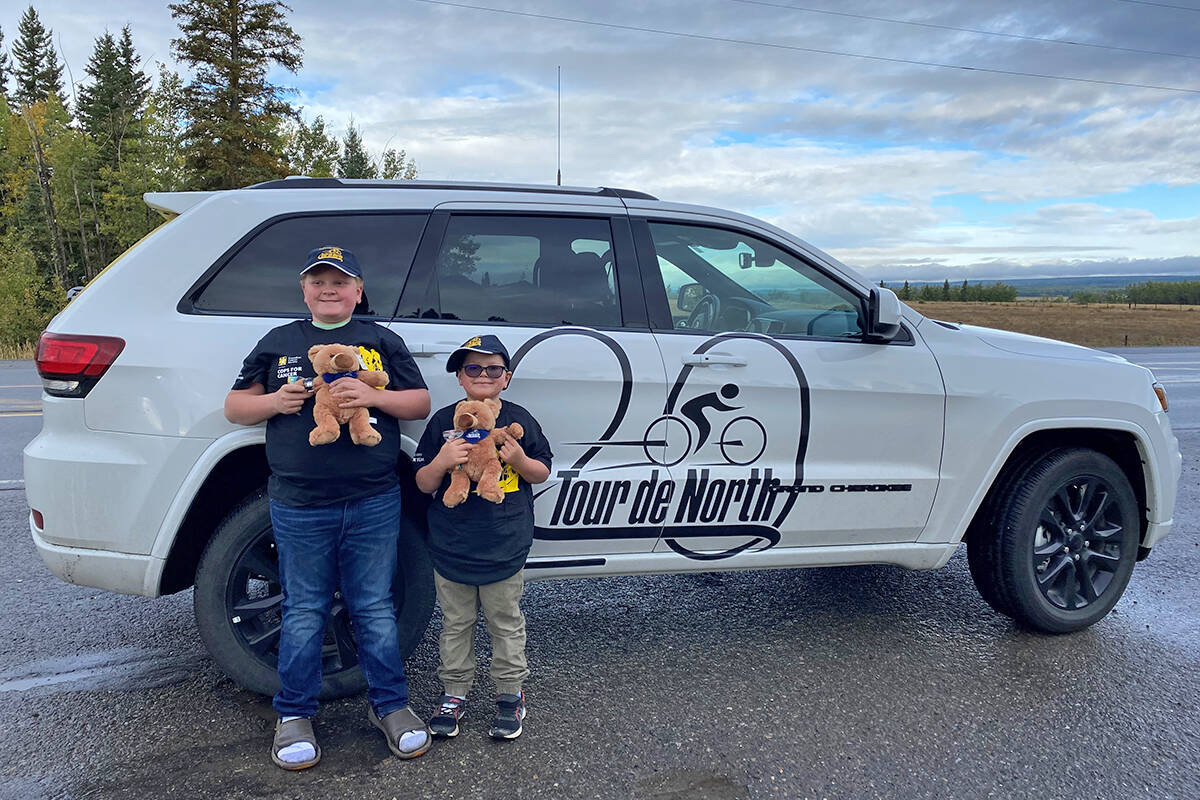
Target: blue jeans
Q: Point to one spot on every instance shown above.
(351, 544)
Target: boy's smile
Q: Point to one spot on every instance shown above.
(330, 294)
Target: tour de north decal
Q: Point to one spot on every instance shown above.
(711, 459)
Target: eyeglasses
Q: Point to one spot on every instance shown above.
(491, 370)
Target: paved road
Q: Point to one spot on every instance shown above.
(858, 682)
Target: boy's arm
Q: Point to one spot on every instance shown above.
(253, 405)
(398, 403)
(531, 469)
(429, 477)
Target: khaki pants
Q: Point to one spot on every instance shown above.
(501, 603)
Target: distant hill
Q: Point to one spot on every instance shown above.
(1060, 286)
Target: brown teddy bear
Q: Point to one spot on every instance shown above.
(333, 361)
(476, 419)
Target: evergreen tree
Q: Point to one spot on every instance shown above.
(397, 164)
(236, 117)
(905, 292)
(38, 70)
(945, 290)
(109, 106)
(156, 165)
(354, 161)
(311, 150)
(3, 68)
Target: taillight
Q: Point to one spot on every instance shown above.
(70, 365)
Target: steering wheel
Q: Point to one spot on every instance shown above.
(706, 313)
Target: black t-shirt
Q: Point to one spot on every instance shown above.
(303, 475)
(479, 542)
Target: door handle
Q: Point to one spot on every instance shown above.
(709, 359)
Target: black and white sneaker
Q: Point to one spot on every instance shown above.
(450, 711)
(510, 710)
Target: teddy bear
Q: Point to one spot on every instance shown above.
(476, 419)
(333, 361)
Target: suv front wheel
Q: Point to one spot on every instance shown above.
(238, 602)
(1062, 543)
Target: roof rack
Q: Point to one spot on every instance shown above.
(303, 182)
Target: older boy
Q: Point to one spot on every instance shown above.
(335, 509)
(479, 547)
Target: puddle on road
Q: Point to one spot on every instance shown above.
(126, 669)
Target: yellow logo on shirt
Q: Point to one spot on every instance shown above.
(508, 479)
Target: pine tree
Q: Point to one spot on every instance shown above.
(38, 70)
(110, 105)
(397, 164)
(945, 290)
(236, 117)
(354, 161)
(4, 69)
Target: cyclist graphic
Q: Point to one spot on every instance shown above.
(742, 441)
(694, 409)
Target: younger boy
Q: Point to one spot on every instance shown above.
(335, 509)
(479, 547)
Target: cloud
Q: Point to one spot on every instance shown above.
(873, 160)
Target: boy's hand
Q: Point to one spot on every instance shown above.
(453, 454)
(289, 398)
(353, 393)
(512, 453)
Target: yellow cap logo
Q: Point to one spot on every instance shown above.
(475, 341)
(332, 252)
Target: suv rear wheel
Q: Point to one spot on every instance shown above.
(238, 604)
(1062, 544)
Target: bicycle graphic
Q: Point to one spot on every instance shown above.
(742, 441)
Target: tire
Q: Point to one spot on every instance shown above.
(1062, 543)
(983, 557)
(238, 597)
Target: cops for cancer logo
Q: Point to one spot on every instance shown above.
(702, 457)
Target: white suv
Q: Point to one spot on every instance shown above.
(718, 393)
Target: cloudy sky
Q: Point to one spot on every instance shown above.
(918, 139)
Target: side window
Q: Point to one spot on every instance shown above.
(527, 270)
(719, 280)
(263, 276)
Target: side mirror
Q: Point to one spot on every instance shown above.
(689, 296)
(883, 314)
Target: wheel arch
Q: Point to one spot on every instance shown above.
(1123, 446)
(230, 475)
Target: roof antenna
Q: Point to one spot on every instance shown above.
(559, 125)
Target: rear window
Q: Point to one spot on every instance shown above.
(263, 275)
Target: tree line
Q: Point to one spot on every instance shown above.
(1185, 293)
(76, 159)
(962, 293)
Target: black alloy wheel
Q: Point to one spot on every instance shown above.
(1055, 546)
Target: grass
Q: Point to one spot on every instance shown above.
(1096, 325)
(17, 352)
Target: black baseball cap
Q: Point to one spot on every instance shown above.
(476, 344)
(338, 257)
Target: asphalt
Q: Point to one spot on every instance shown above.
(866, 682)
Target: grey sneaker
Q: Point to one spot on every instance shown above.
(510, 710)
(450, 711)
